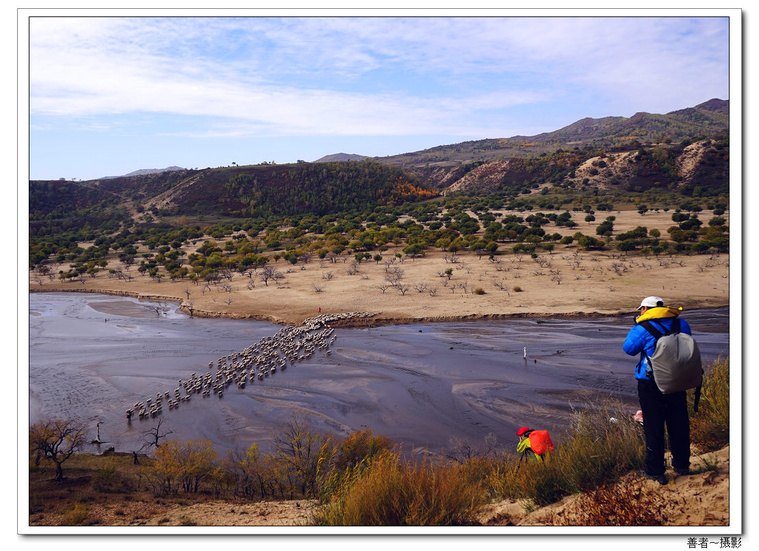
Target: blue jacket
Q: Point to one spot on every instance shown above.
(640, 341)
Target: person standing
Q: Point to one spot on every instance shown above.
(659, 410)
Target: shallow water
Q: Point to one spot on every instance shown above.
(92, 356)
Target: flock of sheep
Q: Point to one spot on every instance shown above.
(289, 345)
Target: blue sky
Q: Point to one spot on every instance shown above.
(109, 95)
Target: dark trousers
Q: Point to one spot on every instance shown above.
(660, 410)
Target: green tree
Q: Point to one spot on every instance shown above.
(605, 228)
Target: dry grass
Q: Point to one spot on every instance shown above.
(629, 503)
(710, 426)
(391, 492)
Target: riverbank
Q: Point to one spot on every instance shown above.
(436, 287)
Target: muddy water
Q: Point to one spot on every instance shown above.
(91, 357)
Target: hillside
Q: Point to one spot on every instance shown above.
(245, 191)
(709, 119)
(146, 171)
(684, 152)
(699, 168)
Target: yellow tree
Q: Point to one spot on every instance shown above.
(182, 465)
(306, 453)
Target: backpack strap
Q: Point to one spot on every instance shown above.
(648, 326)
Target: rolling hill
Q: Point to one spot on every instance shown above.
(685, 150)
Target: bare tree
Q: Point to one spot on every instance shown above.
(268, 273)
(393, 275)
(304, 451)
(56, 440)
(153, 436)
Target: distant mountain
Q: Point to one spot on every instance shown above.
(706, 120)
(144, 171)
(686, 151)
(340, 157)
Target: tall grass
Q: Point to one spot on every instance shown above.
(386, 491)
(602, 444)
(710, 425)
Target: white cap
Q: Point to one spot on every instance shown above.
(651, 302)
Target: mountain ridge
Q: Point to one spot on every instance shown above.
(685, 151)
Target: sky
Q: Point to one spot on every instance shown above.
(108, 95)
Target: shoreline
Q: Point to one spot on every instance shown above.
(373, 320)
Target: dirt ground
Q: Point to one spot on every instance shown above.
(700, 499)
(567, 281)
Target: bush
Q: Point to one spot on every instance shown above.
(710, 426)
(103, 479)
(600, 450)
(626, 504)
(76, 516)
(389, 492)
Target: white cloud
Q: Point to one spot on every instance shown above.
(363, 75)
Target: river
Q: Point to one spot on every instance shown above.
(425, 386)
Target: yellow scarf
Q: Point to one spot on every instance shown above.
(659, 312)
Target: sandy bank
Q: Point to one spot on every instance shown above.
(435, 288)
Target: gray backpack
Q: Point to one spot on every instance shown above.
(676, 362)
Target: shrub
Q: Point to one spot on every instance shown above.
(389, 492)
(479, 291)
(600, 450)
(710, 426)
(103, 479)
(76, 516)
(625, 504)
